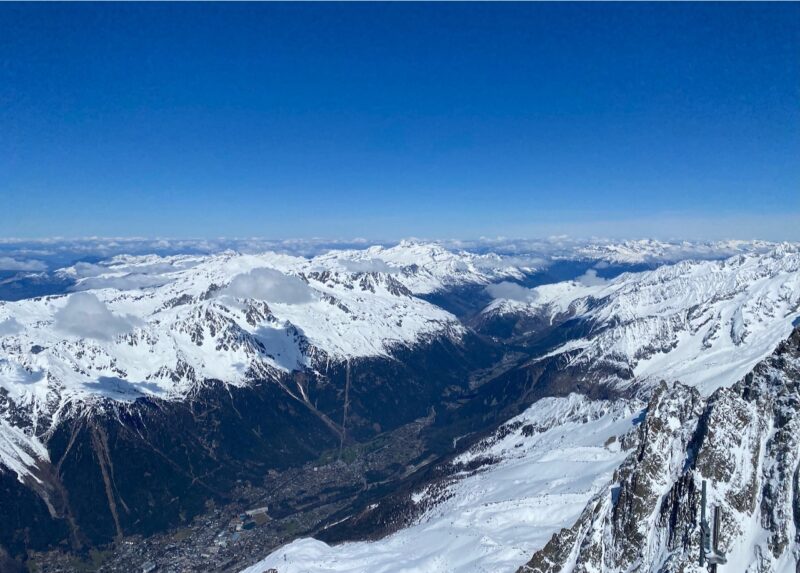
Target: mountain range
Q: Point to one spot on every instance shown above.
(563, 407)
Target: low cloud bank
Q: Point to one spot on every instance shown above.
(270, 285)
(86, 316)
(12, 264)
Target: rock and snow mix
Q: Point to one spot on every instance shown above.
(705, 324)
(743, 440)
(229, 317)
(151, 325)
(424, 267)
(19, 451)
(155, 325)
(604, 486)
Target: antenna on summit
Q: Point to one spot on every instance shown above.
(709, 540)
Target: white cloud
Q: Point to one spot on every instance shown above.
(590, 278)
(86, 316)
(270, 285)
(82, 269)
(12, 264)
(10, 326)
(511, 291)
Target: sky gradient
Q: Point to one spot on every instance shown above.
(391, 120)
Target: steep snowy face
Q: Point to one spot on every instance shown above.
(703, 323)
(744, 441)
(152, 325)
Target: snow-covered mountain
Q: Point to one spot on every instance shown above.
(612, 485)
(594, 485)
(213, 368)
(651, 251)
(426, 267)
(154, 325)
(704, 323)
(743, 440)
(159, 326)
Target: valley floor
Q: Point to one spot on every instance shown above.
(539, 477)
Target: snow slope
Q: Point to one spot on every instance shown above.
(424, 267)
(704, 323)
(230, 317)
(493, 519)
(18, 451)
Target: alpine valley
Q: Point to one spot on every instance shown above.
(430, 407)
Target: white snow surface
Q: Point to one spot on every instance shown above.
(704, 323)
(423, 267)
(220, 316)
(654, 251)
(495, 519)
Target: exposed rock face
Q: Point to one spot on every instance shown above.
(744, 440)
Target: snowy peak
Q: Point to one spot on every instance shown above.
(229, 317)
(742, 441)
(705, 323)
(424, 267)
(651, 251)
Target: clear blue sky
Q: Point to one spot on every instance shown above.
(392, 120)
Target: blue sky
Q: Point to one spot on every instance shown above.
(392, 120)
